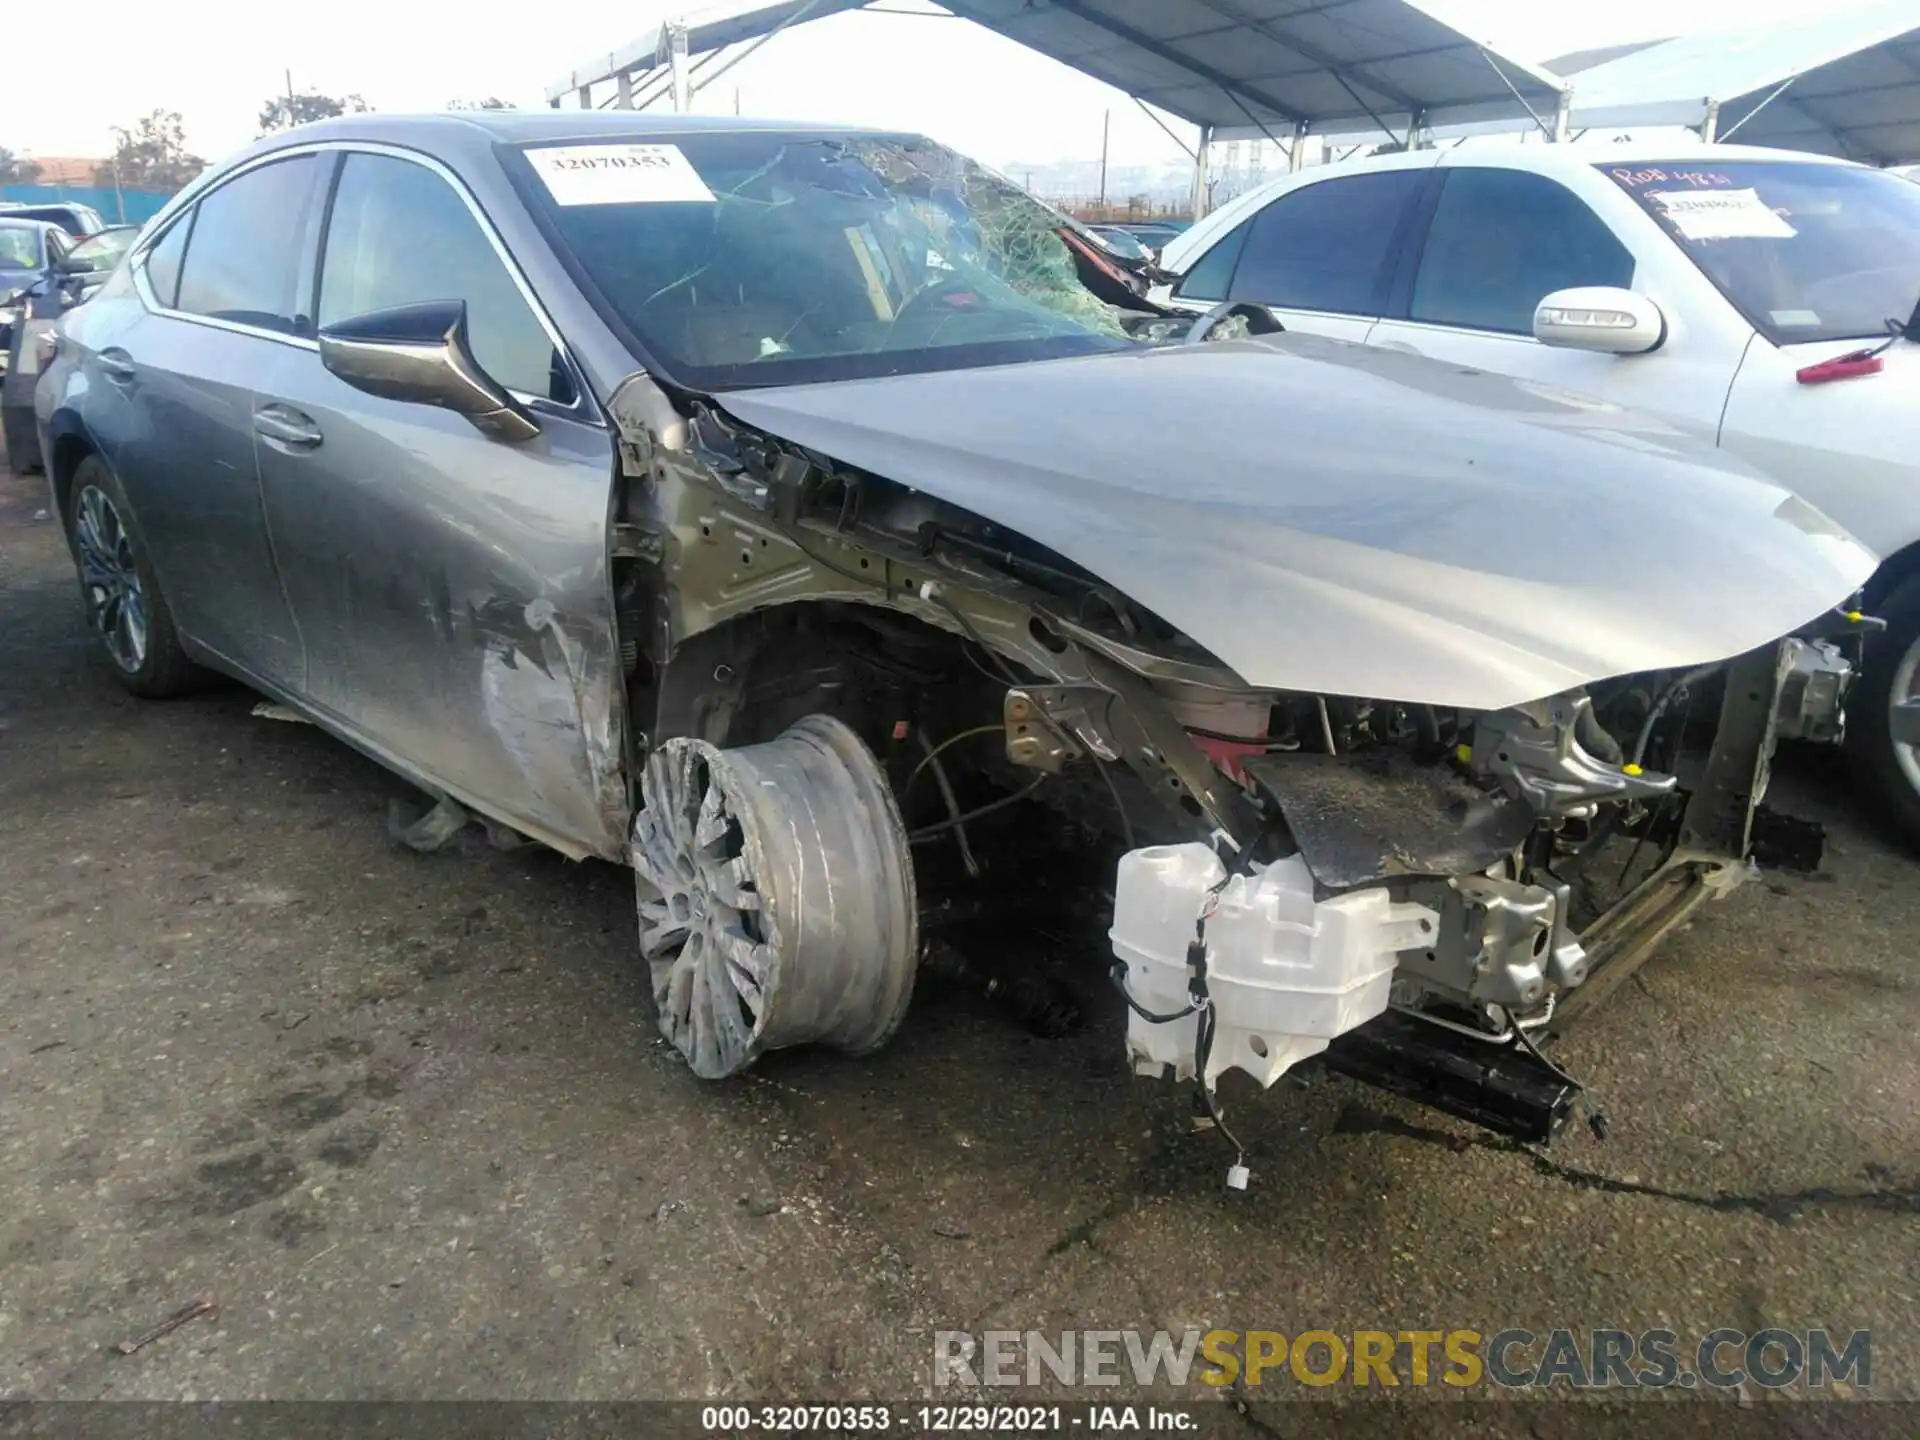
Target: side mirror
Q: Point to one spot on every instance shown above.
(1599, 317)
(71, 266)
(419, 353)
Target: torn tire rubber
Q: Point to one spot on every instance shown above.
(776, 896)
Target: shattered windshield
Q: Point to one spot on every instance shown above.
(746, 259)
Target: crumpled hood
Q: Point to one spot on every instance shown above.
(1325, 517)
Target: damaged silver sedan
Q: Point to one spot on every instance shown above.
(816, 523)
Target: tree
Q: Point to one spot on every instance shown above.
(285, 111)
(492, 102)
(16, 171)
(153, 155)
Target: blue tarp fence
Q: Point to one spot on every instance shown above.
(140, 205)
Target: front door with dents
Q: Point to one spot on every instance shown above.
(452, 589)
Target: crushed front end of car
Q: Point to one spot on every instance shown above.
(1460, 884)
(1416, 873)
(1363, 708)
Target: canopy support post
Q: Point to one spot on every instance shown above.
(1199, 196)
(676, 38)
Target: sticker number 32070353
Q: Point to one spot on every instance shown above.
(617, 174)
(1722, 215)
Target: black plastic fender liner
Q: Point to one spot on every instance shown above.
(776, 896)
(1374, 814)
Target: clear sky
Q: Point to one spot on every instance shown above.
(217, 62)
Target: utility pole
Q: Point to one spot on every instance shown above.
(289, 96)
(1106, 131)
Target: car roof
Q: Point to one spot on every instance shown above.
(463, 137)
(12, 209)
(1552, 159)
(519, 127)
(1640, 151)
(13, 222)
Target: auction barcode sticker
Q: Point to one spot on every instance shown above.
(617, 174)
(1722, 215)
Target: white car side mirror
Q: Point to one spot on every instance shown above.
(1599, 317)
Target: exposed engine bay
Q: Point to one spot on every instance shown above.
(856, 707)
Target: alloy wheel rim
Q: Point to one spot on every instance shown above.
(116, 600)
(776, 896)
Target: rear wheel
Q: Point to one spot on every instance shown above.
(1883, 716)
(124, 605)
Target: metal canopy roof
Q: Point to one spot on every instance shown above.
(1250, 67)
(1843, 84)
(707, 28)
(1245, 67)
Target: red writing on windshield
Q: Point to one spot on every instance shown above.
(1653, 175)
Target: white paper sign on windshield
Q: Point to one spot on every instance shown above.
(617, 174)
(1722, 215)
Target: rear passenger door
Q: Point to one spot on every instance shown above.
(1500, 240)
(170, 405)
(1319, 257)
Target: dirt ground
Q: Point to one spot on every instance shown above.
(406, 1118)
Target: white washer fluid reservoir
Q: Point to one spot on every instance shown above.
(1286, 973)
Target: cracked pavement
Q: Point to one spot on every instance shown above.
(407, 1119)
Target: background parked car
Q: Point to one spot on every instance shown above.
(1122, 242)
(1713, 285)
(77, 220)
(30, 256)
(89, 263)
(83, 270)
(1157, 233)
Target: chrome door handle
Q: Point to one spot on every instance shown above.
(288, 426)
(116, 365)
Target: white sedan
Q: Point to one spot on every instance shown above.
(1768, 297)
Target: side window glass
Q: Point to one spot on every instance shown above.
(243, 257)
(1207, 278)
(163, 260)
(1501, 241)
(400, 235)
(1327, 246)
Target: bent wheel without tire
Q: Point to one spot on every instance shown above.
(776, 896)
